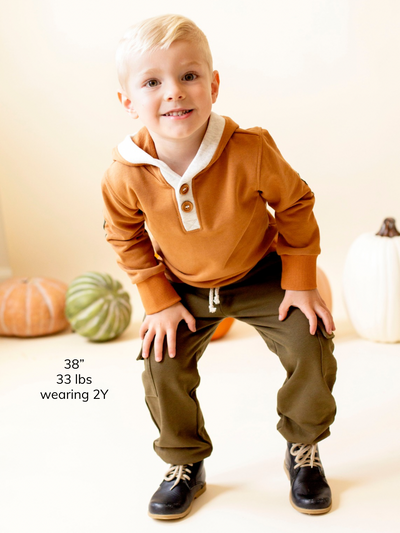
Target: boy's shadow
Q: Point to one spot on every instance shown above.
(213, 491)
(338, 486)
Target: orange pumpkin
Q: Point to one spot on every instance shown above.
(324, 288)
(30, 307)
(223, 327)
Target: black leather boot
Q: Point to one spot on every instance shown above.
(174, 497)
(310, 492)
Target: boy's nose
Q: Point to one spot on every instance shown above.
(174, 91)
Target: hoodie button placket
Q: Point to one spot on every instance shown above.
(184, 189)
(187, 207)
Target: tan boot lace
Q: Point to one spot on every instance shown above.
(178, 471)
(305, 455)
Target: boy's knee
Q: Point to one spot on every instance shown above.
(299, 347)
(296, 330)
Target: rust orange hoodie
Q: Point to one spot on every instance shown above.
(211, 226)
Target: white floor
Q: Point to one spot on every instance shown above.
(88, 466)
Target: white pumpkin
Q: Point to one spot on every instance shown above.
(371, 284)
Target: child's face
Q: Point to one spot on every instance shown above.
(171, 91)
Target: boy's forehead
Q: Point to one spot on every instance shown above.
(185, 64)
(182, 54)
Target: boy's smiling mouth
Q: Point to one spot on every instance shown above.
(177, 113)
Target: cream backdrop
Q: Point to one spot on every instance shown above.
(321, 75)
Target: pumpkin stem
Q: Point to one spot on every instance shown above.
(388, 228)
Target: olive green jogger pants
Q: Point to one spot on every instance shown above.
(305, 403)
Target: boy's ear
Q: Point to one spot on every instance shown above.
(215, 86)
(127, 104)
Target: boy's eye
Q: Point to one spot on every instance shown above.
(189, 76)
(151, 83)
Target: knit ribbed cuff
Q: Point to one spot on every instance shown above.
(299, 272)
(157, 294)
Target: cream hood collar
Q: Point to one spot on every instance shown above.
(131, 152)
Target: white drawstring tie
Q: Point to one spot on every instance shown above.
(213, 299)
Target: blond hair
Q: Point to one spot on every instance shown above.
(158, 33)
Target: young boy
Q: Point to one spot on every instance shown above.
(201, 186)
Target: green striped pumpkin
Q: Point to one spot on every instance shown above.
(97, 306)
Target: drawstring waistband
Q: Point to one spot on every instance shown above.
(213, 299)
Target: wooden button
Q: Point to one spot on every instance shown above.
(187, 207)
(184, 189)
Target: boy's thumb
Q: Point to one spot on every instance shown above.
(191, 322)
(282, 312)
(192, 325)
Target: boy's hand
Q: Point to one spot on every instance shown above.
(164, 324)
(312, 305)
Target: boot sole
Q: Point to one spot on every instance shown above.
(302, 509)
(180, 515)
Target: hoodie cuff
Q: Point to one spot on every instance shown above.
(157, 294)
(299, 272)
